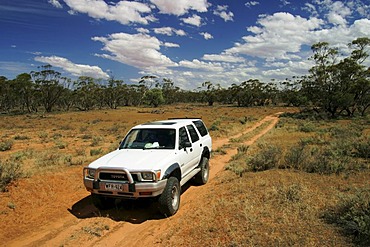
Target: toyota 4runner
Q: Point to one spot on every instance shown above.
(153, 161)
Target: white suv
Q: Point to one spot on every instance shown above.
(153, 161)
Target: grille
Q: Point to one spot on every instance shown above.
(116, 176)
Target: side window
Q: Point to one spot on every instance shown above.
(201, 127)
(183, 137)
(193, 134)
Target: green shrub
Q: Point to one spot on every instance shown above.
(324, 161)
(10, 170)
(60, 144)
(94, 152)
(266, 158)
(242, 150)
(352, 214)
(21, 138)
(43, 135)
(57, 136)
(296, 156)
(289, 194)
(48, 158)
(237, 167)
(6, 145)
(214, 127)
(306, 126)
(362, 147)
(96, 140)
(51, 158)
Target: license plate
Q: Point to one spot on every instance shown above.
(113, 187)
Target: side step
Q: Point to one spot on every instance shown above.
(189, 176)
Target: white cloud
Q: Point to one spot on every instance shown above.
(251, 3)
(138, 50)
(194, 20)
(142, 30)
(180, 32)
(200, 65)
(221, 11)
(229, 58)
(124, 12)
(74, 69)
(277, 36)
(169, 31)
(180, 7)
(171, 45)
(55, 3)
(338, 13)
(206, 35)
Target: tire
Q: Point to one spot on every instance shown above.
(102, 202)
(202, 176)
(169, 201)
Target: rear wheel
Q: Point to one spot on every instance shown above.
(203, 176)
(102, 202)
(169, 201)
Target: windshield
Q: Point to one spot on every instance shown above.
(149, 139)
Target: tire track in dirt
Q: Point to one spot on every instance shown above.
(135, 227)
(146, 233)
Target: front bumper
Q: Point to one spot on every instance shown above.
(122, 189)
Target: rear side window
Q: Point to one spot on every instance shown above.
(201, 127)
(193, 134)
(183, 136)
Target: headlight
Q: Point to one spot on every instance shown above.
(151, 176)
(148, 176)
(90, 173)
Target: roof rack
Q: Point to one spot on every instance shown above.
(177, 118)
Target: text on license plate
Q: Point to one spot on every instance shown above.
(114, 187)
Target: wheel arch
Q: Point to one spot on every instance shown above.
(173, 171)
(206, 153)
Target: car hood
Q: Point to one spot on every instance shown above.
(134, 159)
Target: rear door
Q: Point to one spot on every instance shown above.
(187, 155)
(196, 145)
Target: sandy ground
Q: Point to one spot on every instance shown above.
(54, 209)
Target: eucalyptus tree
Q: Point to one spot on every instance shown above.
(291, 93)
(86, 93)
(6, 102)
(49, 85)
(210, 93)
(169, 91)
(114, 93)
(339, 86)
(25, 92)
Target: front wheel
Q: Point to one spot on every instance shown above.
(169, 201)
(203, 175)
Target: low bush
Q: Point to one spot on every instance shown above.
(362, 147)
(242, 150)
(306, 127)
(352, 214)
(10, 170)
(94, 152)
(266, 158)
(21, 137)
(50, 158)
(6, 145)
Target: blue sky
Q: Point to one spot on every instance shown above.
(187, 41)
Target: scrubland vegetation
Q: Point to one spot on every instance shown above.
(304, 183)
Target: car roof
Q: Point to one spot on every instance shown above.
(163, 124)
